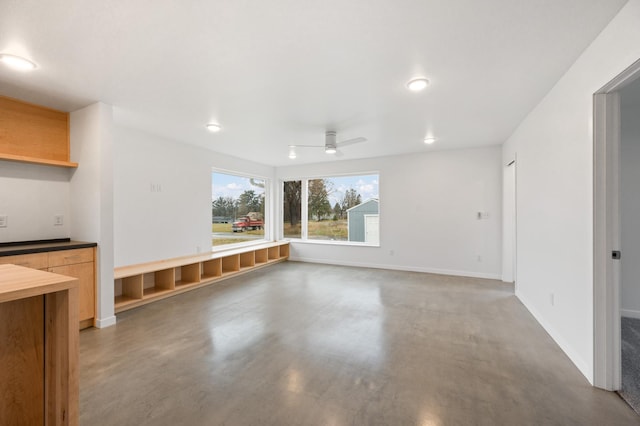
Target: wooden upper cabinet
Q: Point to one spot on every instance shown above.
(34, 134)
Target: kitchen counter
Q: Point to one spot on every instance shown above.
(39, 351)
(42, 246)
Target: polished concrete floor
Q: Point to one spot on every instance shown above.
(305, 344)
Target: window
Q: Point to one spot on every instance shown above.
(237, 208)
(292, 211)
(337, 208)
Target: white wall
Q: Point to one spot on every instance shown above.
(92, 196)
(554, 147)
(172, 218)
(31, 195)
(428, 213)
(630, 211)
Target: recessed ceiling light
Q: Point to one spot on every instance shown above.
(214, 127)
(17, 62)
(418, 84)
(429, 141)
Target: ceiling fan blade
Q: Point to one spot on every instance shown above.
(339, 153)
(352, 141)
(306, 146)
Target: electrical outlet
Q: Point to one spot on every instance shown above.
(552, 299)
(4, 221)
(58, 220)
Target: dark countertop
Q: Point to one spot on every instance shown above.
(29, 247)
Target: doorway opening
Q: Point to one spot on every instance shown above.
(630, 243)
(616, 230)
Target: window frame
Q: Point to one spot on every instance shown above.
(268, 202)
(304, 220)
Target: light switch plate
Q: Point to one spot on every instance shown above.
(4, 219)
(58, 220)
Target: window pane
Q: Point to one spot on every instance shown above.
(344, 208)
(292, 209)
(237, 208)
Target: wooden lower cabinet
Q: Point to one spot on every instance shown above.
(85, 272)
(33, 261)
(76, 263)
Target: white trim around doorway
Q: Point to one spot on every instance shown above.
(606, 230)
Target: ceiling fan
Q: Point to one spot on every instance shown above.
(330, 146)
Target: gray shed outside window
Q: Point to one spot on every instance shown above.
(362, 218)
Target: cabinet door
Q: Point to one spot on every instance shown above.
(86, 283)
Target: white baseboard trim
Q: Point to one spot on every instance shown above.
(469, 274)
(630, 313)
(577, 360)
(106, 322)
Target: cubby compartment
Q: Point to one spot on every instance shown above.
(131, 289)
(247, 260)
(274, 253)
(262, 256)
(137, 285)
(211, 269)
(230, 264)
(189, 274)
(158, 282)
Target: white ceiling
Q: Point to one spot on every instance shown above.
(281, 72)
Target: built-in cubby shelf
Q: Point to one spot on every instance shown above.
(137, 285)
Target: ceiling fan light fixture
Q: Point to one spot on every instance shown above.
(214, 127)
(429, 140)
(417, 84)
(292, 152)
(17, 62)
(330, 142)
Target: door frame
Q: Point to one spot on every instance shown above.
(607, 230)
(510, 222)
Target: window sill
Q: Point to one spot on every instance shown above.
(331, 243)
(239, 245)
